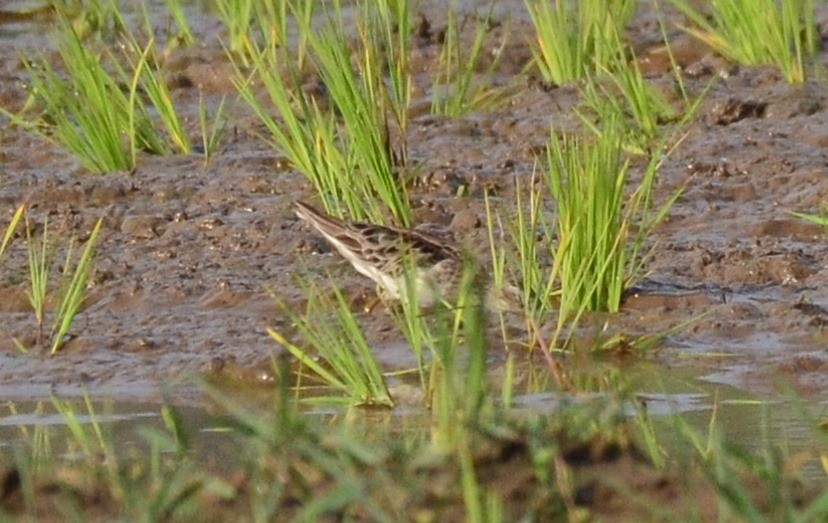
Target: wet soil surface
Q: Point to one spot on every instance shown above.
(191, 247)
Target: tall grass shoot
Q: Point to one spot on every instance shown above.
(387, 29)
(10, 228)
(184, 35)
(211, 134)
(41, 255)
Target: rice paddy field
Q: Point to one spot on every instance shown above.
(646, 181)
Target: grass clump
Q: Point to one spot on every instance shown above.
(237, 16)
(601, 231)
(74, 278)
(87, 112)
(276, 462)
(457, 88)
(361, 96)
(582, 257)
(577, 38)
(758, 32)
(346, 151)
(250, 23)
(623, 90)
(101, 106)
(348, 364)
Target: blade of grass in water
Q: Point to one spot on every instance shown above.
(350, 366)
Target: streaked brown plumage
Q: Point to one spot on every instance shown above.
(382, 253)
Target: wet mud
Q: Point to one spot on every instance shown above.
(192, 248)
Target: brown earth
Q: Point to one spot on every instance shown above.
(190, 247)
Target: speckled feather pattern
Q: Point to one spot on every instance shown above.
(380, 252)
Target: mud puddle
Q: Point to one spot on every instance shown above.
(34, 423)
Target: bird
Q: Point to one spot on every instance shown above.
(394, 256)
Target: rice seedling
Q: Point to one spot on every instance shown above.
(40, 266)
(576, 38)
(252, 24)
(72, 287)
(601, 232)
(758, 32)
(646, 105)
(147, 76)
(73, 290)
(211, 134)
(498, 257)
(359, 93)
(530, 232)
(454, 90)
(349, 366)
(89, 113)
(272, 21)
(621, 90)
(582, 257)
(303, 132)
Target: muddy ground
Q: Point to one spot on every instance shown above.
(190, 247)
